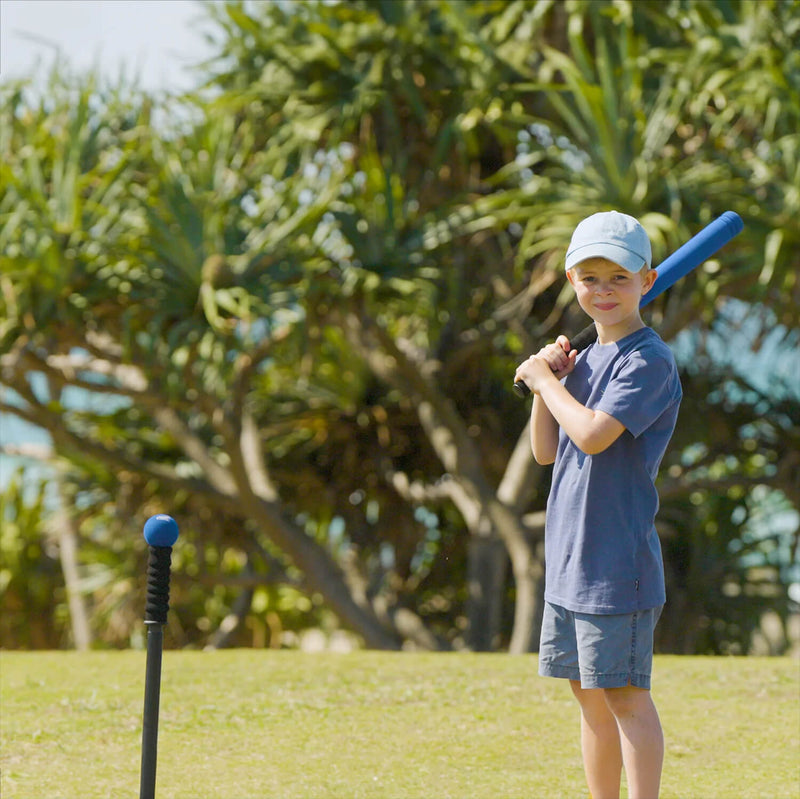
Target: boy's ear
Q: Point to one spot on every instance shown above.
(571, 276)
(650, 277)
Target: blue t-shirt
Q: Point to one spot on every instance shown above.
(602, 552)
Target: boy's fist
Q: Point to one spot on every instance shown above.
(554, 360)
(560, 358)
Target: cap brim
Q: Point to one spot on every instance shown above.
(627, 259)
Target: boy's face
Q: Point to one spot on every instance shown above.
(609, 293)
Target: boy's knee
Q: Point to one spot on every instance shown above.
(583, 694)
(588, 698)
(627, 700)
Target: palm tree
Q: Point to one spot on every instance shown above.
(501, 157)
(312, 289)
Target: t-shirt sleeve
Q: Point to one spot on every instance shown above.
(643, 387)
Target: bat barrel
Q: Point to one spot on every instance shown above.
(698, 249)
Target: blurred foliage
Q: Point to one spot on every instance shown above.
(285, 308)
(31, 583)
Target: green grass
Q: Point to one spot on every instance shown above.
(373, 725)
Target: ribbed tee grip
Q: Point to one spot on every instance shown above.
(158, 567)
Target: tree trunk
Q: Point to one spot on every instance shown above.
(522, 475)
(486, 579)
(528, 577)
(476, 500)
(67, 535)
(320, 573)
(223, 635)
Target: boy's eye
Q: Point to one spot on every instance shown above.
(591, 279)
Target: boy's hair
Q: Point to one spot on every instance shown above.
(643, 271)
(614, 236)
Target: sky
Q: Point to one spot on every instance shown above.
(154, 39)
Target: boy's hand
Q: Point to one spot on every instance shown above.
(559, 356)
(554, 360)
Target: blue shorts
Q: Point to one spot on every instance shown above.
(600, 651)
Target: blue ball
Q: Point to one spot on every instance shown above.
(161, 530)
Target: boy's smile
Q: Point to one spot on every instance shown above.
(610, 294)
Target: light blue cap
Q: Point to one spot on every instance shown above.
(612, 235)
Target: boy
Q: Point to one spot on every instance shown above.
(605, 427)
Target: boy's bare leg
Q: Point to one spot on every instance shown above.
(641, 738)
(600, 742)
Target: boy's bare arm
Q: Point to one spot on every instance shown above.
(544, 432)
(560, 359)
(591, 431)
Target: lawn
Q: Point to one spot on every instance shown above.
(371, 725)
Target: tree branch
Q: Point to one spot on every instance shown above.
(195, 448)
(521, 474)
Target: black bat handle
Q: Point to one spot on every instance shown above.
(580, 342)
